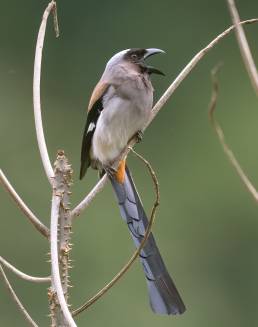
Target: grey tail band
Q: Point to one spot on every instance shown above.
(164, 297)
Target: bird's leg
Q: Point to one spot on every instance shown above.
(111, 171)
(139, 136)
(101, 173)
(118, 174)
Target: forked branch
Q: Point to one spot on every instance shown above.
(228, 152)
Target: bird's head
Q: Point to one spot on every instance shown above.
(136, 57)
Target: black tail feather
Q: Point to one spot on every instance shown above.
(164, 297)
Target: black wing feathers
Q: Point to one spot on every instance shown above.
(92, 118)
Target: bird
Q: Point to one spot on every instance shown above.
(119, 108)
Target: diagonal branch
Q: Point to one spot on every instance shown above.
(158, 106)
(16, 299)
(36, 89)
(228, 152)
(28, 213)
(127, 266)
(22, 275)
(87, 200)
(243, 45)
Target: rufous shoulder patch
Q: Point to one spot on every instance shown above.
(97, 93)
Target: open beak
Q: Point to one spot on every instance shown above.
(151, 52)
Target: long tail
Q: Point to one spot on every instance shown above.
(164, 297)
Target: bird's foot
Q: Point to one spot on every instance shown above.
(139, 136)
(110, 170)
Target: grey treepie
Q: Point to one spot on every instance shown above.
(119, 108)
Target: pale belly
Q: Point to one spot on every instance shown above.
(118, 122)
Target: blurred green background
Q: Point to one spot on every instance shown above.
(207, 224)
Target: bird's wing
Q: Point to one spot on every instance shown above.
(98, 93)
(94, 109)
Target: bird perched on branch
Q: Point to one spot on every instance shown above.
(119, 108)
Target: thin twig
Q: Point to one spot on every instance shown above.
(188, 68)
(23, 275)
(126, 267)
(56, 200)
(230, 155)
(153, 176)
(16, 299)
(243, 45)
(36, 93)
(28, 213)
(158, 106)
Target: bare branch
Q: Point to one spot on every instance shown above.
(158, 106)
(28, 213)
(55, 17)
(87, 200)
(230, 155)
(54, 259)
(56, 200)
(36, 92)
(16, 299)
(154, 178)
(22, 275)
(188, 68)
(63, 182)
(127, 266)
(243, 45)
(61, 186)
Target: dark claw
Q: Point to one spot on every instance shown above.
(110, 171)
(139, 136)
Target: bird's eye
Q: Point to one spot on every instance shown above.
(134, 56)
